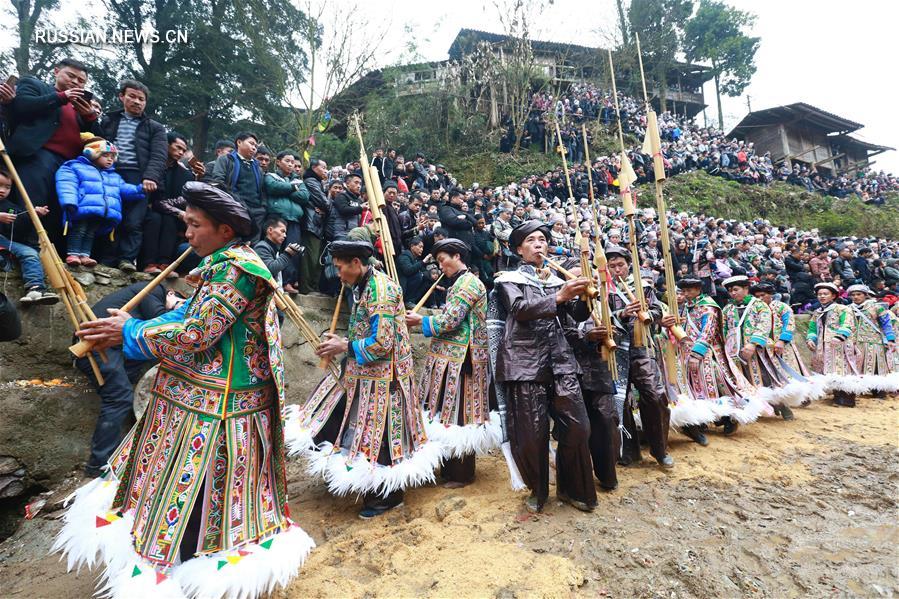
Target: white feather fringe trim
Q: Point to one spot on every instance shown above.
(249, 571)
(863, 384)
(246, 572)
(752, 409)
(297, 439)
(793, 394)
(361, 476)
(458, 441)
(692, 412)
(517, 482)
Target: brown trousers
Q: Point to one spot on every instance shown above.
(531, 405)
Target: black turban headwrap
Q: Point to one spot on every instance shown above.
(221, 206)
(520, 233)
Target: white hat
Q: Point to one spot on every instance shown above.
(742, 280)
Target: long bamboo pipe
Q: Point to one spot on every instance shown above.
(652, 130)
(82, 348)
(592, 291)
(60, 279)
(425, 297)
(323, 363)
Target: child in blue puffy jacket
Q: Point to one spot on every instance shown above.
(91, 194)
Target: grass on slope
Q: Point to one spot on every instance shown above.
(698, 192)
(782, 204)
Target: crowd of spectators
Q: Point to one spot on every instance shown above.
(686, 146)
(107, 187)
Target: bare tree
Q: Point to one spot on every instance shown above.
(519, 72)
(341, 45)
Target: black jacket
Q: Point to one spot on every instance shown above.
(460, 228)
(343, 215)
(533, 347)
(150, 143)
(313, 222)
(173, 179)
(10, 325)
(274, 260)
(408, 267)
(33, 117)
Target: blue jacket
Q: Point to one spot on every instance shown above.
(86, 191)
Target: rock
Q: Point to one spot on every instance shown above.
(8, 465)
(448, 505)
(11, 486)
(85, 278)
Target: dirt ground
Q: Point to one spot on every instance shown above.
(782, 509)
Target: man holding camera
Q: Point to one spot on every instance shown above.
(269, 248)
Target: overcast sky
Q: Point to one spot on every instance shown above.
(837, 56)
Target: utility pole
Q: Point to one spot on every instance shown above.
(749, 102)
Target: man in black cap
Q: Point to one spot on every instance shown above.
(365, 432)
(642, 368)
(455, 382)
(539, 372)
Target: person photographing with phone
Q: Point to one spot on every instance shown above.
(45, 123)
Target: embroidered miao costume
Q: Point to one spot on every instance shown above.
(873, 329)
(717, 379)
(831, 330)
(455, 380)
(800, 385)
(686, 410)
(750, 322)
(203, 471)
(365, 433)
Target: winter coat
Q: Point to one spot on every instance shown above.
(286, 198)
(227, 170)
(150, 143)
(343, 216)
(33, 117)
(87, 192)
(460, 228)
(314, 222)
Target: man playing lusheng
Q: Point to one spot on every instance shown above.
(539, 370)
(454, 382)
(195, 501)
(364, 432)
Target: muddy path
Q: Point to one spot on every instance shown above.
(782, 509)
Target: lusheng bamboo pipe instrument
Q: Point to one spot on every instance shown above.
(592, 291)
(599, 260)
(658, 168)
(293, 312)
(323, 363)
(425, 297)
(69, 290)
(643, 316)
(82, 348)
(564, 164)
(627, 203)
(376, 203)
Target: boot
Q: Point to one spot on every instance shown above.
(730, 426)
(695, 433)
